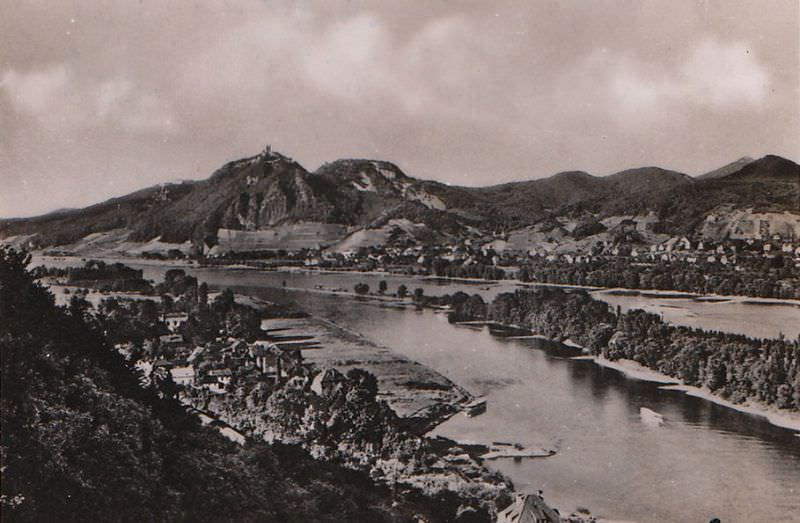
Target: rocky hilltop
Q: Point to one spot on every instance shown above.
(269, 201)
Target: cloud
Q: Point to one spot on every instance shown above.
(60, 101)
(354, 63)
(347, 60)
(36, 91)
(717, 76)
(725, 75)
(358, 60)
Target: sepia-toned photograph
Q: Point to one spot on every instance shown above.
(500, 261)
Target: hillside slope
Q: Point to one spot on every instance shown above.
(725, 170)
(270, 201)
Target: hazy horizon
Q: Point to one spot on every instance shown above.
(98, 100)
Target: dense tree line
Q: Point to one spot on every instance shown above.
(99, 275)
(463, 307)
(734, 366)
(83, 441)
(479, 270)
(773, 278)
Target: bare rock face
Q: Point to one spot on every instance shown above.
(272, 194)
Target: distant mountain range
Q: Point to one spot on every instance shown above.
(267, 199)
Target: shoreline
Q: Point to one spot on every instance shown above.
(418, 393)
(634, 370)
(429, 420)
(432, 410)
(630, 369)
(786, 420)
(665, 293)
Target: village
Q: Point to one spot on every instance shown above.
(213, 366)
(765, 265)
(422, 259)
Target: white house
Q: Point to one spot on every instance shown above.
(222, 376)
(183, 375)
(174, 320)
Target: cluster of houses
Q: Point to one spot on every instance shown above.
(681, 248)
(677, 248)
(273, 358)
(422, 259)
(400, 259)
(367, 258)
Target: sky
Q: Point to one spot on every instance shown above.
(100, 98)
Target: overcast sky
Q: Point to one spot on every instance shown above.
(101, 98)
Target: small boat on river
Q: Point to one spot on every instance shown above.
(651, 417)
(516, 451)
(475, 407)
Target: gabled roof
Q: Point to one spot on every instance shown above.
(529, 508)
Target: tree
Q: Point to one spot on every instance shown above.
(418, 293)
(163, 383)
(361, 288)
(225, 301)
(365, 381)
(167, 303)
(382, 286)
(202, 295)
(402, 291)
(78, 306)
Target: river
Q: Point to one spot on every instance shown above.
(706, 461)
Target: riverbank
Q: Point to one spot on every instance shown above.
(630, 369)
(787, 420)
(659, 293)
(634, 370)
(422, 397)
(190, 264)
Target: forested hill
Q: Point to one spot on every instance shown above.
(82, 441)
(272, 194)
